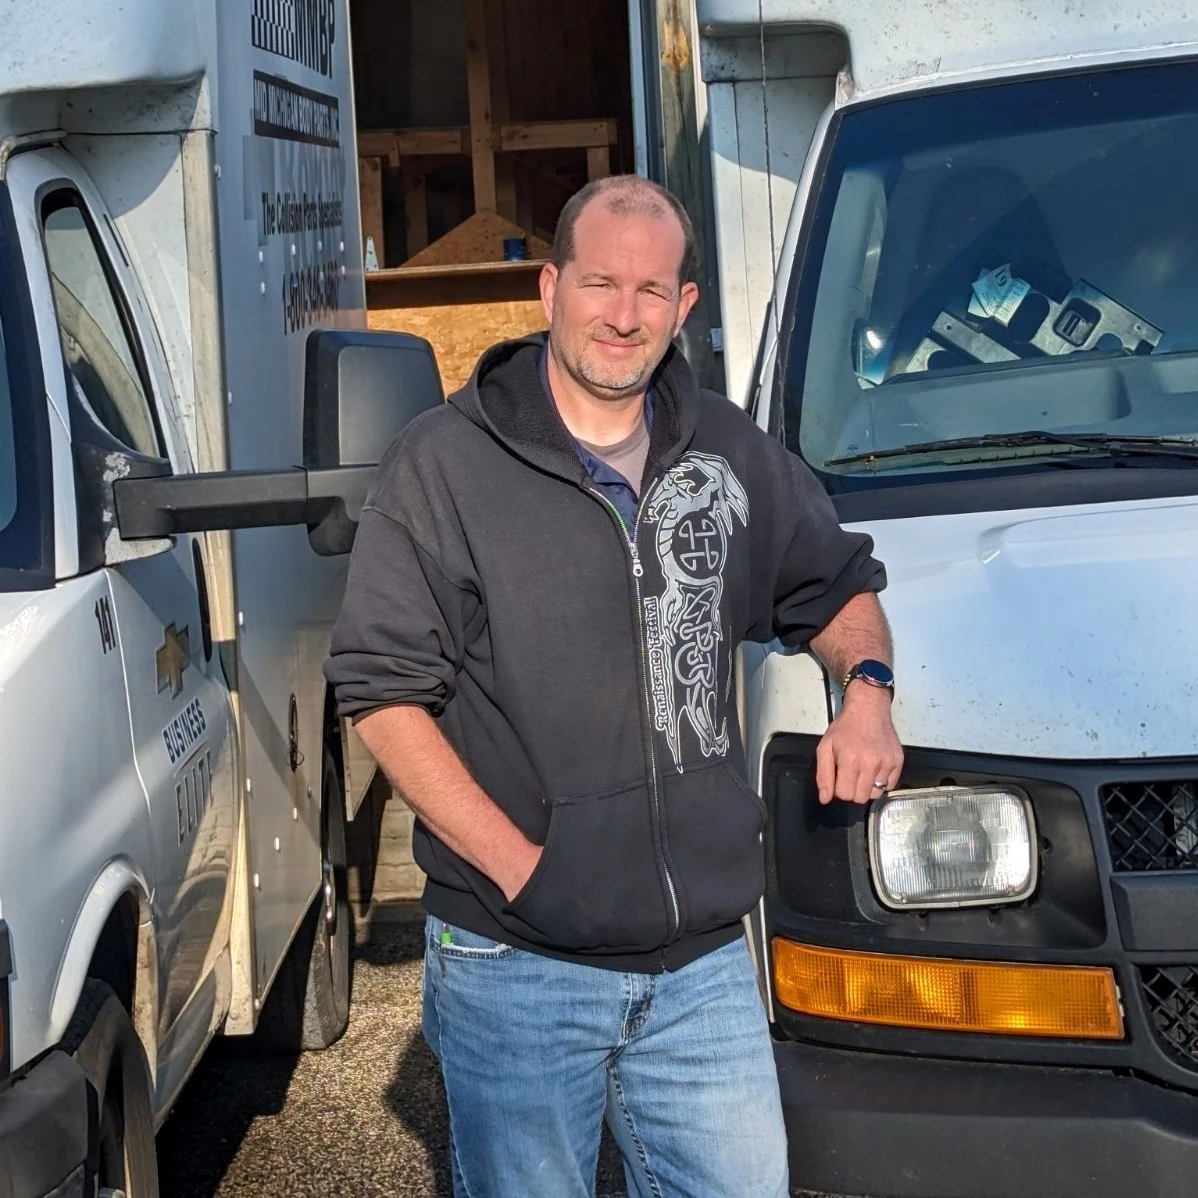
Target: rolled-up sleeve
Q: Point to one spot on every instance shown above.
(399, 637)
(823, 566)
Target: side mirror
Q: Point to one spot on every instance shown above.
(361, 390)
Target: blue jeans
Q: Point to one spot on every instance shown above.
(536, 1053)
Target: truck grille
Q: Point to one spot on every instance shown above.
(1171, 995)
(1152, 825)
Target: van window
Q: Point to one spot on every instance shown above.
(97, 341)
(1001, 259)
(26, 515)
(8, 447)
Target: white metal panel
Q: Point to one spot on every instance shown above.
(66, 528)
(905, 41)
(1063, 633)
(69, 782)
(754, 180)
(783, 691)
(27, 114)
(60, 45)
(290, 257)
(731, 248)
(760, 133)
(1058, 633)
(182, 744)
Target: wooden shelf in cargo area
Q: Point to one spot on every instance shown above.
(413, 151)
(455, 270)
(396, 145)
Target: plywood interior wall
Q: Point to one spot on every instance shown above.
(461, 333)
(460, 311)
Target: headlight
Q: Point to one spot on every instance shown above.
(952, 846)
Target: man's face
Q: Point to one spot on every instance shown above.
(614, 309)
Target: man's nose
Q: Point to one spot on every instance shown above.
(622, 313)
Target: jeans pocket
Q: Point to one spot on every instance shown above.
(714, 822)
(448, 940)
(598, 883)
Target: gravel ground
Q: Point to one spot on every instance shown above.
(365, 1119)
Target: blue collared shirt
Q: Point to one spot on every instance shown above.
(618, 491)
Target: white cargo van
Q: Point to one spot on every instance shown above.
(957, 250)
(181, 306)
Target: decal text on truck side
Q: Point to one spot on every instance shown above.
(183, 732)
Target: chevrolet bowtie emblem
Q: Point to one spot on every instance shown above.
(172, 658)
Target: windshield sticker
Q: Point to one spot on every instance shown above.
(997, 293)
(183, 732)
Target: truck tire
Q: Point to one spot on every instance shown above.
(121, 1154)
(308, 1005)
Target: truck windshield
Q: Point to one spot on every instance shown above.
(991, 263)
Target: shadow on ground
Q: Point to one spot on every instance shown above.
(366, 1118)
(201, 1139)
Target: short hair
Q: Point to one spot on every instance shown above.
(624, 195)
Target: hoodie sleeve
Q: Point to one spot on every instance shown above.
(400, 635)
(822, 567)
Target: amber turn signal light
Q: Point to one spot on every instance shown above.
(997, 998)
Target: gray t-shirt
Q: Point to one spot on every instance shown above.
(626, 457)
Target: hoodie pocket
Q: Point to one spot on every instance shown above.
(597, 886)
(714, 820)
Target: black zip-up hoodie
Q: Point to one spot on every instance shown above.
(583, 670)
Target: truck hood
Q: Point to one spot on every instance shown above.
(1059, 633)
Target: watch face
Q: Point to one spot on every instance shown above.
(877, 672)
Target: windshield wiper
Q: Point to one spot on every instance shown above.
(1178, 447)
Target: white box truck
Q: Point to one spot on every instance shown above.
(957, 250)
(181, 354)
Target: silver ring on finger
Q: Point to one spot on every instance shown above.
(880, 785)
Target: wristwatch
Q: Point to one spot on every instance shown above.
(876, 673)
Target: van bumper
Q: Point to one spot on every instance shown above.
(43, 1131)
(872, 1125)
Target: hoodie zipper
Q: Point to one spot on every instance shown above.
(638, 571)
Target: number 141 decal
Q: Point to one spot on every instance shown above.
(104, 620)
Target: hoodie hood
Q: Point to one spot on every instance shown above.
(506, 397)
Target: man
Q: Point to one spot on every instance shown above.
(537, 642)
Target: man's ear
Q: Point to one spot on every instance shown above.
(687, 299)
(548, 283)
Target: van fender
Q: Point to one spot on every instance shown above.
(117, 879)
